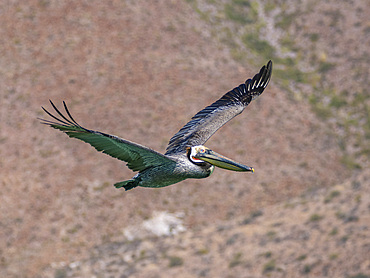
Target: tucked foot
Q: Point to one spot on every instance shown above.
(127, 185)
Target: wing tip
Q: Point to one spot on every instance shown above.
(62, 122)
(256, 85)
(268, 72)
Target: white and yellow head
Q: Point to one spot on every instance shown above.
(200, 154)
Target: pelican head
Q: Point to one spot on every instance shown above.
(200, 154)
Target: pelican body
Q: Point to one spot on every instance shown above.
(186, 156)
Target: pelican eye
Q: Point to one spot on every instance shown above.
(194, 151)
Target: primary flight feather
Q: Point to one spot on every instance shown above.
(186, 157)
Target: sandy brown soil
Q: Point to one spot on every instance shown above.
(141, 71)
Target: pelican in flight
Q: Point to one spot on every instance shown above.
(185, 156)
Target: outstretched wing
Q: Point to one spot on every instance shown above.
(137, 157)
(207, 121)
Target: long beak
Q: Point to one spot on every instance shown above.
(222, 162)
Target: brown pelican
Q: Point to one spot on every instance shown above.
(185, 156)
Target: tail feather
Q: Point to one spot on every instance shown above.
(127, 185)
